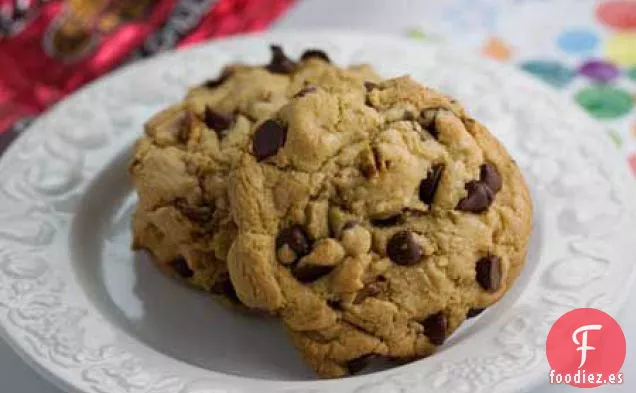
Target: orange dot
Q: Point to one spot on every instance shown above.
(497, 49)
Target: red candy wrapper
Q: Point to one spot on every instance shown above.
(50, 48)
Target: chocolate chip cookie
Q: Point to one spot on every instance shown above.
(181, 165)
(373, 220)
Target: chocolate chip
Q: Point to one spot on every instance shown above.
(349, 224)
(403, 249)
(197, 213)
(408, 115)
(214, 83)
(488, 271)
(309, 273)
(429, 185)
(473, 312)
(369, 290)
(216, 121)
(479, 197)
(356, 365)
(435, 327)
(335, 304)
(387, 222)
(295, 238)
(268, 138)
(428, 121)
(230, 292)
(315, 54)
(180, 266)
(372, 163)
(305, 90)
(481, 193)
(280, 63)
(489, 175)
(368, 169)
(370, 85)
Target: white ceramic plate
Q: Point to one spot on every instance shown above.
(91, 315)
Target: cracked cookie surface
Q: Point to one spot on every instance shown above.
(374, 220)
(181, 165)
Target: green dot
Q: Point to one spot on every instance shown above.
(417, 34)
(616, 138)
(631, 73)
(605, 102)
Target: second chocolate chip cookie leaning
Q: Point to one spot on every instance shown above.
(181, 165)
(374, 221)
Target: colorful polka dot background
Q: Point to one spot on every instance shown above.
(590, 56)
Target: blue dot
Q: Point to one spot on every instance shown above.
(578, 41)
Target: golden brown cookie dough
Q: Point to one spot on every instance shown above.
(181, 165)
(374, 220)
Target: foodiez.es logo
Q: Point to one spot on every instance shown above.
(586, 348)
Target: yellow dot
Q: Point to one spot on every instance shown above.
(621, 49)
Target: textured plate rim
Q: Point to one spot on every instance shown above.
(395, 380)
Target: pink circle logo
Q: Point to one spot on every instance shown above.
(586, 348)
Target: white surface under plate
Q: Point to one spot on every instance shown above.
(92, 316)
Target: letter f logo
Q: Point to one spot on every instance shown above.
(583, 344)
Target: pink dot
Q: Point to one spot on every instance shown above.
(619, 15)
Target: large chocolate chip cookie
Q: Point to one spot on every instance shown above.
(374, 220)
